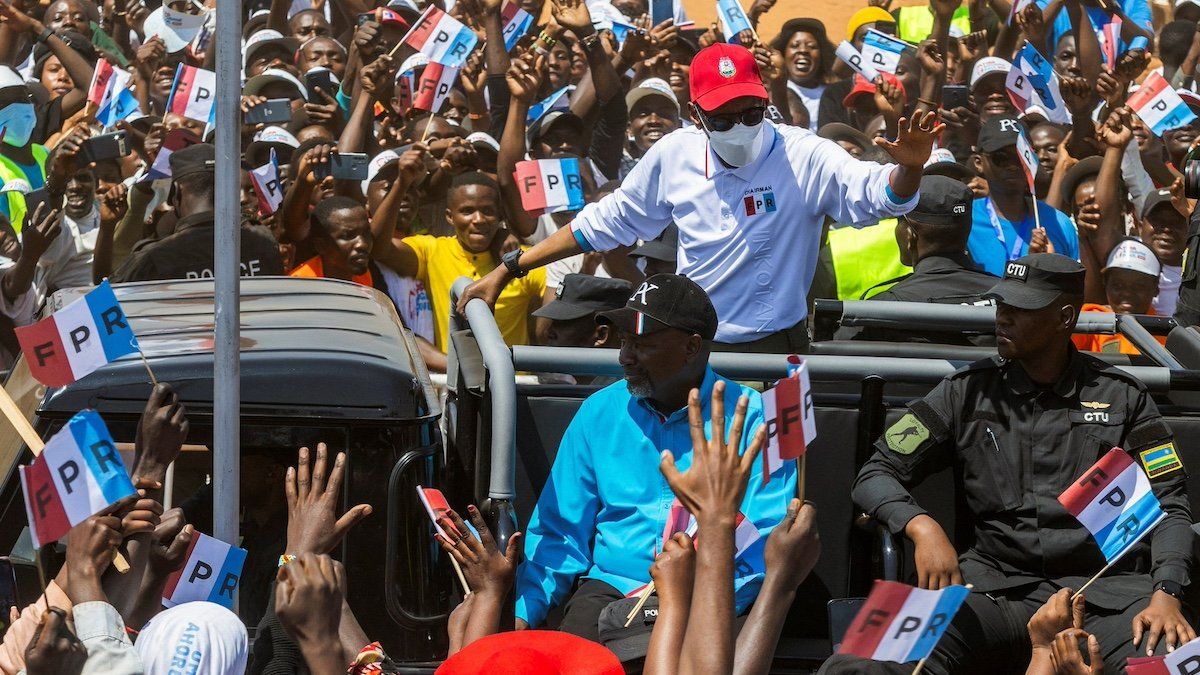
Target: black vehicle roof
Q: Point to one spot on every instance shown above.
(319, 348)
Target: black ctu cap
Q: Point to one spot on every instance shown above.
(581, 295)
(943, 201)
(999, 133)
(632, 642)
(665, 301)
(201, 157)
(1034, 281)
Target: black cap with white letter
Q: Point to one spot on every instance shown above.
(1035, 281)
(943, 201)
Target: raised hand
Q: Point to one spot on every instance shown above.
(1032, 23)
(114, 204)
(1132, 64)
(713, 487)
(915, 141)
(378, 78)
(1078, 95)
(973, 46)
(663, 35)
(44, 228)
(90, 548)
(794, 545)
(1117, 130)
(889, 99)
(674, 570)
(312, 499)
(1039, 242)
(932, 61)
(18, 20)
(169, 545)
(488, 571)
(944, 8)
(150, 56)
(327, 112)
(572, 15)
(524, 76)
(308, 602)
(1058, 614)
(161, 432)
(54, 649)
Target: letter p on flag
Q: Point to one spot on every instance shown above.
(212, 573)
(790, 418)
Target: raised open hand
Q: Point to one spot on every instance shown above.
(44, 227)
(572, 15)
(312, 499)
(915, 140)
(713, 487)
(488, 571)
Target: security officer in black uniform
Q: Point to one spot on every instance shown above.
(1019, 429)
(189, 252)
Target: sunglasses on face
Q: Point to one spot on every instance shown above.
(726, 122)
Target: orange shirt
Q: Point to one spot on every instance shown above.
(314, 269)
(1113, 344)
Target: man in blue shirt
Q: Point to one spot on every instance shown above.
(602, 513)
(1002, 223)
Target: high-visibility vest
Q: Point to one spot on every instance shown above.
(914, 24)
(864, 258)
(10, 173)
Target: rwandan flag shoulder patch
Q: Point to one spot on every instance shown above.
(1160, 460)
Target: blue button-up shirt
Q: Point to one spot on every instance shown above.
(991, 251)
(603, 510)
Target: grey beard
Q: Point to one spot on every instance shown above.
(639, 387)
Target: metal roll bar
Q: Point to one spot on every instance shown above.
(502, 385)
(932, 316)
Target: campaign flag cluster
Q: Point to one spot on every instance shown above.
(78, 338)
(436, 506)
(900, 623)
(857, 62)
(1114, 502)
(434, 86)
(193, 94)
(733, 19)
(110, 94)
(442, 38)
(1032, 81)
(550, 185)
(1029, 160)
(78, 473)
(1159, 106)
(515, 21)
(267, 186)
(883, 51)
(211, 573)
(790, 418)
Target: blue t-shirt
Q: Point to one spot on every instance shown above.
(991, 251)
(33, 174)
(1137, 10)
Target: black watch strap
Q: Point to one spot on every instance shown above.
(1171, 588)
(512, 261)
(45, 35)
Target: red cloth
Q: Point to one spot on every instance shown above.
(532, 652)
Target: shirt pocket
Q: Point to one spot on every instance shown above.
(1093, 433)
(990, 481)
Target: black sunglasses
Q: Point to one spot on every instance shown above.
(749, 117)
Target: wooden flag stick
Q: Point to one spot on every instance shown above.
(153, 380)
(28, 434)
(642, 598)
(41, 570)
(1089, 581)
(801, 465)
(461, 578)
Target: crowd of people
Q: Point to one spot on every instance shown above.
(728, 179)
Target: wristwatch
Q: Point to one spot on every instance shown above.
(512, 260)
(44, 35)
(1171, 588)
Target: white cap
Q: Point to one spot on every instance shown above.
(486, 139)
(988, 65)
(955, 31)
(1034, 110)
(418, 60)
(276, 135)
(256, 83)
(939, 155)
(264, 37)
(323, 69)
(651, 86)
(379, 163)
(1132, 254)
(177, 29)
(10, 78)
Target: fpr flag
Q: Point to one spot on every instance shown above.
(434, 86)
(550, 185)
(900, 623)
(679, 519)
(857, 62)
(78, 338)
(267, 187)
(1183, 661)
(733, 19)
(1029, 160)
(442, 38)
(193, 94)
(516, 23)
(1159, 106)
(790, 418)
(1114, 502)
(436, 507)
(555, 101)
(109, 93)
(883, 51)
(78, 473)
(1032, 80)
(211, 574)
(174, 141)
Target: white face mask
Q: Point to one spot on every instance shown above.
(740, 145)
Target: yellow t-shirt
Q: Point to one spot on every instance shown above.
(442, 260)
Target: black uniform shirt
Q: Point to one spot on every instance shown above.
(948, 279)
(1015, 448)
(189, 253)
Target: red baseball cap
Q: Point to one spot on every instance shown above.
(723, 72)
(862, 86)
(532, 652)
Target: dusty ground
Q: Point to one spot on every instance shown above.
(834, 13)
